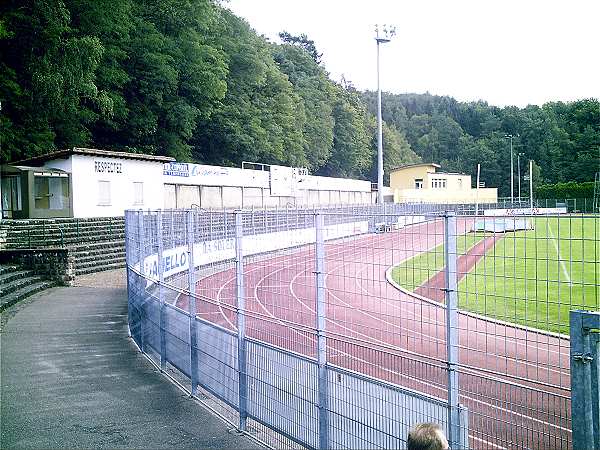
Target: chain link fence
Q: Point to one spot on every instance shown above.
(343, 327)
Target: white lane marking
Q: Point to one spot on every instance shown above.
(562, 263)
(291, 282)
(399, 304)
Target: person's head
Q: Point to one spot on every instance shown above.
(427, 436)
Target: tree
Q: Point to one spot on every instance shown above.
(261, 117)
(48, 82)
(303, 42)
(316, 92)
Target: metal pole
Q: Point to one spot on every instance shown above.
(321, 337)
(161, 295)
(142, 283)
(585, 370)
(477, 191)
(452, 328)
(531, 184)
(192, 303)
(519, 176)
(379, 137)
(128, 259)
(512, 172)
(241, 320)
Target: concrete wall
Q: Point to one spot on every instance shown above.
(486, 195)
(216, 197)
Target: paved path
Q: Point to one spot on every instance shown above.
(71, 378)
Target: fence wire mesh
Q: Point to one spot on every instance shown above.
(329, 328)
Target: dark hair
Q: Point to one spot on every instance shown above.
(425, 436)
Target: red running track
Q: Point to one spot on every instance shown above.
(513, 380)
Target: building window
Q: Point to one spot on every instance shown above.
(418, 183)
(438, 183)
(11, 193)
(138, 193)
(103, 193)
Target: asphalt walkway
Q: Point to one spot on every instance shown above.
(71, 378)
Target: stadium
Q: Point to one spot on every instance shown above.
(342, 327)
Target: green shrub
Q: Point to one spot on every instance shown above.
(570, 189)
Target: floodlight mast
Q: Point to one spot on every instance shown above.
(512, 170)
(386, 36)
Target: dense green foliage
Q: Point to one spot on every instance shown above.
(565, 190)
(189, 79)
(563, 139)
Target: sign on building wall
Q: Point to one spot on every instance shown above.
(108, 167)
(282, 181)
(176, 169)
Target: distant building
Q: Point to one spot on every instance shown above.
(423, 183)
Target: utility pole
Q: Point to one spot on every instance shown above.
(512, 169)
(519, 174)
(477, 191)
(381, 39)
(531, 184)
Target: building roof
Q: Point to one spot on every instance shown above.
(437, 166)
(453, 173)
(8, 168)
(64, 154)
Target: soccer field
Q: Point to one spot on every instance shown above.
(532, 277)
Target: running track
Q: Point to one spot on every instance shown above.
(517, 400)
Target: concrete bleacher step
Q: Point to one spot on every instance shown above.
(83, 270)
(90, 247)
(61, 232)
(94, 244)
(12, 275)
(7, 268)
(17, 284)
(99, 259)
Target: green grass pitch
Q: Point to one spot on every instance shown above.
(533, 278)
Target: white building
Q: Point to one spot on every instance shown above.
(83, 182)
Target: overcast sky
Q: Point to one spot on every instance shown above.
(505, 52)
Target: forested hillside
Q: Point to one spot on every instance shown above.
(189, 79)
(563, 139)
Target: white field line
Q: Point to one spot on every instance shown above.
(562, 263)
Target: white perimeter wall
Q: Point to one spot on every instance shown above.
(524, 211)
(203, 175)
(206, 186)
(85, 184)
(175, 260)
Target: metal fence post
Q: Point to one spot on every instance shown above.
(321, 338)
(161, 293)
(241, 320)
(452, 328)
(142, 280)
(585, 373)
(192, 302)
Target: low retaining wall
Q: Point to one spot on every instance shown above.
(53, 264)
(176, 259)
